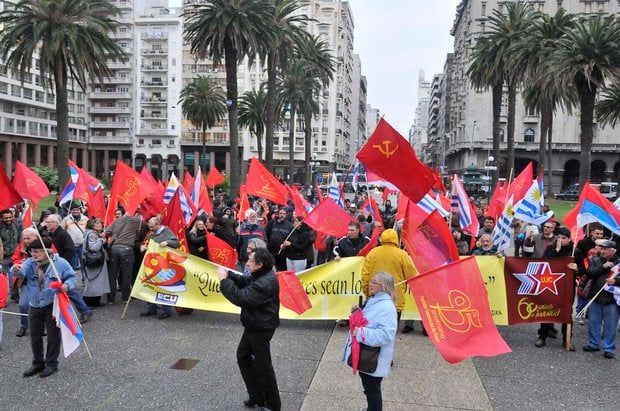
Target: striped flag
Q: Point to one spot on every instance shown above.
(502, 233)
(529, 208)
(428, 204)
(70, 331)
(461, 205)
(171, 187)
(334, 191)
(67, 194)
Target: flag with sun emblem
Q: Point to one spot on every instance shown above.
(502, 233)
(529, 208)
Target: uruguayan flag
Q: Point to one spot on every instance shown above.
(172, 186)
(502, 233)
(528, 209)
(334, 191)
(428, 204)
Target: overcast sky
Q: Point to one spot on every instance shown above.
(395, 40)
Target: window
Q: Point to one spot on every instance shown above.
(528, 135)
(483, 12)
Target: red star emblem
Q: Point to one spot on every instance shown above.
(538, 278)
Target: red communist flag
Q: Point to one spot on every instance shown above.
(128, 188)
(153, 204)
(214, 178)
(428, 239)
(204, 201)
(244, 203)
(28, 184)
(174, 219)
(82, 190)
(455, 310)
(496, 204)
(260, 182)
(521, 183)
(292, 293)
(220, 252)
(188, 182)
(9, 196)
(328, 218)
(96, 206)
(386, 148)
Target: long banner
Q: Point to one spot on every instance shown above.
(520, 290)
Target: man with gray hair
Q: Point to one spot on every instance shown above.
(29, 234)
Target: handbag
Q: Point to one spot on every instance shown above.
(368, 359)
(92, 259)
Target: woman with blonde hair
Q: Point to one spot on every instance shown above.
(380, 331)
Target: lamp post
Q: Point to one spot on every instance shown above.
(489, 167)
(313, 165)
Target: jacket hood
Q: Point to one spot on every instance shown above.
(389, 236)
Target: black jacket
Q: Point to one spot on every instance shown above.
(63, 243)
(258, 296)
(301, 239)
(197, 240)
(347, 247)
(599, 275)
(277, 232)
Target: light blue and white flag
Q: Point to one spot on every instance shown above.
(502, 233)
(334, 191)
(529, 208)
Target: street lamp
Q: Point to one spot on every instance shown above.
(489, 167)
(313, 165)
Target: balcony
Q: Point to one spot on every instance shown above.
(154, 83)
(148, 52)
(124, 139)
(154, 116)
(108, 95)
(117, 80)
(109, 124)
(119, 65)
(109, 110)
(153, 101)
(150, 67)
(153, 131)
(530, 119)
(154, 35)
(121, 35)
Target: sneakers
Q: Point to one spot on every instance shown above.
(84, 317)
(609, 355)
(541, 342)
(588, 348)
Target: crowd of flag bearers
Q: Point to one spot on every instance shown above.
(424, 238)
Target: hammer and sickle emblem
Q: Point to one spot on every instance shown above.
(132, 185)
(385, 148)
(30, 182)
(458, 315)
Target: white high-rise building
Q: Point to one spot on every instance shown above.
(418, 135)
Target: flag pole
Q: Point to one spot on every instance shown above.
(125, 309)
(49, 258)
(501, 239)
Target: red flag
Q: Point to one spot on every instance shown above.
(521, 183)
(328, 218)
(173, 218)
(401, 211)
(244, 203)
(214, 178)
(153, 204)
(188, 182)
(292, 293)
(96, 206)
(9, 196)
(28, 184)
(438, 182)
(319, 193)
(386, 148)
(82, 190)
(386, 193)
(260, 182)
(220, 252)
(27, 219)
(496, 204)
(356, 320)
(428, 239)
(128, 189)
(204, 201)
(301, 205)
(455, 310)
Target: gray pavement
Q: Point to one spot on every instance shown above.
(130, 369)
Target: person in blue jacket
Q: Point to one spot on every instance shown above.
(40, 274)
(380, 331)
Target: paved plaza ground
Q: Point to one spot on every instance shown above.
(130, 369)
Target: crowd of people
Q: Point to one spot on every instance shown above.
(268, 238)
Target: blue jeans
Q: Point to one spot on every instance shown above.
(608, 316)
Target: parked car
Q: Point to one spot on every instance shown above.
(571, 193)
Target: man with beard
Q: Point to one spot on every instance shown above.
(277, 230)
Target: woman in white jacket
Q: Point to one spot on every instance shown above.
(380, 331)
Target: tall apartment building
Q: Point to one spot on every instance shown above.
(469, 116)
(418, 134)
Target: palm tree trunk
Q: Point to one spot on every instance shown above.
(62, 122)
(203, 160)
(510, 128)
(544, 128)
(233, 116)
(259, 146)
(587, 94)
(549, 156)
(308, 145)
(291, 147)
(270, 109)
(498, 90)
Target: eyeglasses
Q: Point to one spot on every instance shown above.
(251, 249)
(549, 226)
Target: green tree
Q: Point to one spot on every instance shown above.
(252, 110)
(287, 31)
(320, 67)
(230, 30)
(608, 107)
(70, 41)
(203, 104)
(587, 56)
(296, 89)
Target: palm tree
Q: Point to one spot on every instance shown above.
(317, 55)
(229, 30)
(296, 90)
(252, 106)
(608, 107)
(203, 104)
(542, 94)
(505, 32)
(288, 30)
(70, 40)
(587, 56)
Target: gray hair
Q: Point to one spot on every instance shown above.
(249, 212)
(258, 243)
(29, 230)
(56, 218)
(387, 283)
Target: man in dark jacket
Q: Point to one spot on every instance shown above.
(604, 309)
(277, 230)
(351, 244)
(258, 297)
